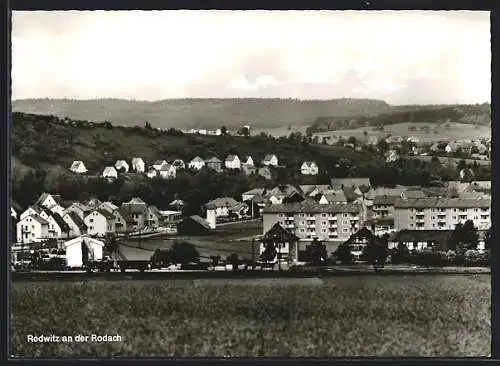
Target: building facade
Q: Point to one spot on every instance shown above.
(441, 213)
(309, 220)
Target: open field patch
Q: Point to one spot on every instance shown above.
(427, 315)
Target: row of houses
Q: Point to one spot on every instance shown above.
(52, 218)
(165, 169)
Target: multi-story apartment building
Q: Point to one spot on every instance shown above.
(383, 206)
(309, 219)
(441, 213)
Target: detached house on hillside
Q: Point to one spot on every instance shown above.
(214, 164)
(152, 173)
(233, 162)
(99, 222)
(76, 224)
(309, 168)
(138, 165)
(158, 164)
(31, 229)
(121, 166)
(179, 164)
(137, 209)
(224, 207)
(168, 171)
(110, 172)
(248, 161)
(197, 163)
(270, 159)
(78, 167)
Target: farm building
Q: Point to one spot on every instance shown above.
(81, 249)
(138, 165)
(110, 172)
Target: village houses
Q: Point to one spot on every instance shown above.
(78, 167)
(138, 165)
(99, 222)
(309, 168)
(214, 163)
(270, 159)
(121, 166)
(197, 163)
(168, 171)
(110, 172)
(233, 162)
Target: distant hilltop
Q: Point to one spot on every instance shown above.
(202, 113)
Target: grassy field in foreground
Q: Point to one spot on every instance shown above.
(442, 316)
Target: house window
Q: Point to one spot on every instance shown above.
(323, 230)
(345, 230)
(302, 222)
(323, 215)
(323, 223)
(344, 222)
(91, 220)
(346, 215)
(302, 230)
(411, 225)
(302, 215)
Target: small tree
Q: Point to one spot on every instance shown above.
(184, 252)
(234, 260)
(316, 252)
(111, 244)
(215, 260)
(269, 254)
(487, 239)
(223, 130)
(343, 254)
(400, 254)
(464, 237)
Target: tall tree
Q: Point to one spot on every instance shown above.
(464, 237)
(316, 252)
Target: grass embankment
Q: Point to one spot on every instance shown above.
(440, 316)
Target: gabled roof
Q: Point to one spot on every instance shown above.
(268, 157)
(362, 233)
(159, 162)
(154, 210)
(312, 207)
(309, 188)
(126, 215)
(77, 220)
(177, 202)
(76, 164)
(40, 219)
(197, 159)
(339, 196)
(213, 160)
(166, 167)
(231, 158)
(282, 190)
(410, 194)
(121, 162)
(104, 213)
(109, 170)
(255, 191)
(385, 200)
(350, 182)
(44, 196)
(109, 206)
(443, 203)
(435, 191)
(383, 191)
(309, 163)
(222, 202)
(60, 222)
(278, 233)
(201, 221)
(137, 161)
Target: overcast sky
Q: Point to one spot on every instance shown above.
(403, 57)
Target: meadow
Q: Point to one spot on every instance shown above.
(456, 131)
(386, 316)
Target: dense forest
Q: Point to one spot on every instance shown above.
(44, 147)
(472, 114)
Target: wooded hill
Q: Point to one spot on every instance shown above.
(471, 114)
(202, 113)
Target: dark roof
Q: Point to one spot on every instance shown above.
(77, 220)
(103, 212)
(134, 208)
(350, 182)
(311, 206)
(222, 202)
(414, 193)
(362, 233)
(443, 203)
(350, 194)
(381, 221)
(16, 206)
(279, 234)
(421, 236)
(385, 200)
(60, 222)
(44, 196)
(435, 191)
(201, 221)
(231, 157)
(40, 219)
(126, 215)
(213, 160)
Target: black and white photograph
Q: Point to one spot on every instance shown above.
(252, 183)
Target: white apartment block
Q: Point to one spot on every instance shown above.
(309, 220)
(441, 213)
